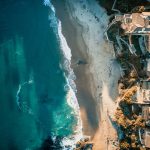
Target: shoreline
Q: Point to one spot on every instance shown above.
(96, 81)
(83, 78)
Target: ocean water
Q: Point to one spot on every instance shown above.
(38, 106)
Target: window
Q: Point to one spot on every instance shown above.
(128, 20)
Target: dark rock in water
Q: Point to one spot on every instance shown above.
(58, 140)
(84, 144)
(50, 144)
(88, 147)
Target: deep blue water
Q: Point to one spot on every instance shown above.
(33, 102)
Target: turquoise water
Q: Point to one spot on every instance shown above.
(33, 101)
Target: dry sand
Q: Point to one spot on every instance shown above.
(83, 24)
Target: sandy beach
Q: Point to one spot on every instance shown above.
(83, 24)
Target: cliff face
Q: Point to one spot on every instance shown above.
(123, 5)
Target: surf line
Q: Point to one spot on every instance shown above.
(22, 105)
(70, 86)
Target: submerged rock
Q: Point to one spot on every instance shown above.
(51, 144)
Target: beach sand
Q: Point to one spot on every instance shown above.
(72, 32)
(83, 24)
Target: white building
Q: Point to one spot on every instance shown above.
(143, 93)
(147, 138)
(136, 23)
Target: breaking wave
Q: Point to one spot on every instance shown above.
(71, 90)
(22, 105)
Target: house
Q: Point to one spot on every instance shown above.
(147, 138)
(147, 42)
(148, 67)
(143, 92)
(135, 23)
(146, 113)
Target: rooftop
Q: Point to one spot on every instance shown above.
(147, 138)
(143, 93)
(146, 113)
(135, 23)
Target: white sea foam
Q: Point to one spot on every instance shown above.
(17, 96)
(52, 18)
(53, 22)
(64, 45)
(47, 3)
(71, 87)
(22, 105)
